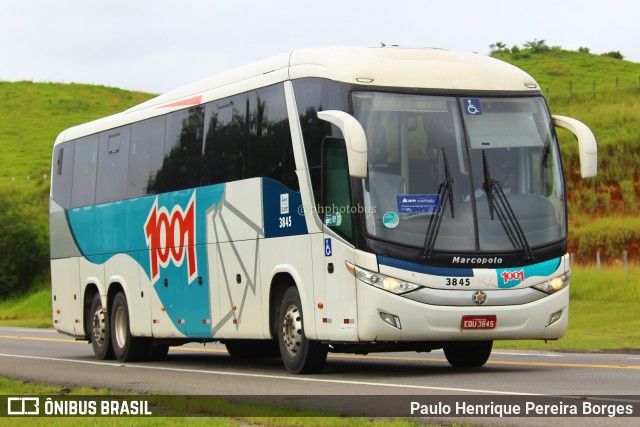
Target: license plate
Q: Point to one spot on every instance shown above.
(479, 322)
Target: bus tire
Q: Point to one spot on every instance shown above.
(299, 355)
(100, 330)
(125, 347)
(468, 354)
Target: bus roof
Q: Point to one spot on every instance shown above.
(381, 66)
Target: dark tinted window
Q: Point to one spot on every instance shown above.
(62, 173)
(313, 95)
(269, 151)
(226, 132)
(183, 149)
(84, 171)
(145, 158)
(113, 162)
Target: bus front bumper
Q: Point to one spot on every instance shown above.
(544, 319)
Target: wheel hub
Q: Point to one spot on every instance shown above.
(98, 326)
(292, 330)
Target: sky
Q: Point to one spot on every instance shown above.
(160, 45)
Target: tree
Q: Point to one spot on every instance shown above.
(498, 47)
(614, 54)
(24, 249)
(537, 46)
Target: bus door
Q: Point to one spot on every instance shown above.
(340, 307)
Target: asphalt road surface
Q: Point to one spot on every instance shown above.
(48, 357)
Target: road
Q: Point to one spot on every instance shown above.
(52, 358)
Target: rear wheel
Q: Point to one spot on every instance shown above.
(99, 327)
(300, 355)
(468, 354)
(125, 347)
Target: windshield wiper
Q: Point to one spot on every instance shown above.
(445, 194)
(498, 202)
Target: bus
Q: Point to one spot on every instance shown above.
(346, 199)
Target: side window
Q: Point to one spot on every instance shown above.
(62, 173)
(269, 151)
(84, 171)
(113, 162)
(336, 197)
(145, 157)
(183, 149)
(226, 132)
(313, 95)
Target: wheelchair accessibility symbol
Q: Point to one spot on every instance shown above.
(472, 107)
(328, 250)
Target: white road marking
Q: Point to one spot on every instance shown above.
(504, 353)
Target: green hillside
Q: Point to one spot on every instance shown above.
(33, 114)
(601, 91)
(604, 93)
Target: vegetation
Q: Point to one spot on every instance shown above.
(603, 92)
(31, 116)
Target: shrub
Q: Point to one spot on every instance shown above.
(615, 55)
(24, 250)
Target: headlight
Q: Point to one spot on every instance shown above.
(381, 281)
(552, 286)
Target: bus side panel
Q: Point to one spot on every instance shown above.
(92, 274)
(125, 269)
(340, 306)
(234, 229)
(290, 255)
(66, 296)
(239, 289)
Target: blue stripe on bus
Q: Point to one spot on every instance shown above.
(425, 269)
(282, 210)
(103, 231)
(512, 277)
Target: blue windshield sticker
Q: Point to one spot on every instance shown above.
(472, 106)
(417, 203)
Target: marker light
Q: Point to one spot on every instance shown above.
(381, 281)
(552, 286)
(391, 320)
(554, 317)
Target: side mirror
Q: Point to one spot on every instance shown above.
(354, 137)
(586, 144)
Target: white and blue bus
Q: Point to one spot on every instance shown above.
(348, 200)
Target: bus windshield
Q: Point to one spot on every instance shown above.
(487, 167)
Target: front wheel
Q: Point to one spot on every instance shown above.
(468, 354)
(299, 355)
(125, 347)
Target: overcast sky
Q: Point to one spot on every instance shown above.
(159, 45)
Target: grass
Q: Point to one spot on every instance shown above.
(186, 410)
(604, 312)
(33, 114)
(32, 310)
